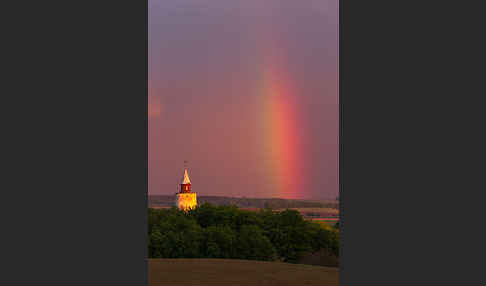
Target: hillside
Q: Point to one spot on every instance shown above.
(219, 272)
(276, 203)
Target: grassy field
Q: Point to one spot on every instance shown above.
(219, 272)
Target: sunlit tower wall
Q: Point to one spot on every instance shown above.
(185, 199)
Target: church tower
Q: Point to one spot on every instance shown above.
(185, 199)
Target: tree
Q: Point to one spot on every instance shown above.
(219, 242)
(227, 232)
(155, 243)
(253, 245)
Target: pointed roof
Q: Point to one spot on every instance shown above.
(185, 178)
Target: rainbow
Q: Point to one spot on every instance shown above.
(282, 134)
(282, 128)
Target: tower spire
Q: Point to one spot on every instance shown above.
(185, 178)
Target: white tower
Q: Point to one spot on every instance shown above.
(185, 199)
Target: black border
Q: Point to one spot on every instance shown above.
(76, 159)
(408, 126)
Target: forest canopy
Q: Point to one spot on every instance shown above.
(210, 231)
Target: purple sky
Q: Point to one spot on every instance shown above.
(207, 105)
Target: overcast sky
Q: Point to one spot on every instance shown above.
(246, 91)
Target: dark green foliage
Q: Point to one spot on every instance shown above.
(336, 226)
(291, 235)
(173, 235)
(228, 232)
(253, 245)
(219, 242)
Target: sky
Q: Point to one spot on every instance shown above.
(247, 92)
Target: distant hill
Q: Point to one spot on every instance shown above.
(275, 203)
(223, 272)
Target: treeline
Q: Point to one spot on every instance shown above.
(160, 200)
(228, 232)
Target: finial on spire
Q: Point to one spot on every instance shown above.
(185, 164)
